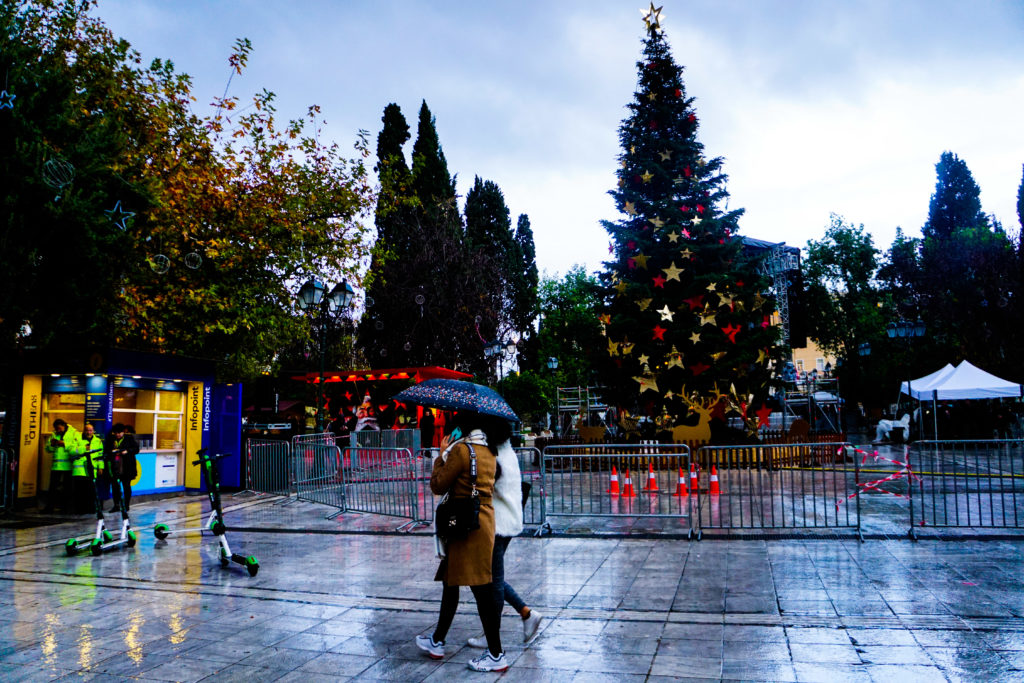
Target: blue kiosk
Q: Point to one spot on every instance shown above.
(174, 404)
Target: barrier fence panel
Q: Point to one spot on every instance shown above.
(319, 475)
(614, 480)
(381, 481)
(786, 486)
(408, 439)
(976, 484)
(269, 467)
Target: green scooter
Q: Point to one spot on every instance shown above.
(215, 522)
(127, 537)
(73, 546)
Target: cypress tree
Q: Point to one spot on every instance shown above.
(957, 200)
(526, 279)
(684, 313)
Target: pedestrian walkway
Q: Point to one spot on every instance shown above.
(342, 599)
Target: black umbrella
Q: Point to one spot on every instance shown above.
(454, 394)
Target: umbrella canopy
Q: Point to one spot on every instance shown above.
(453, 394)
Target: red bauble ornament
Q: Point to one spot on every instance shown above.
(637, 180)
(679, 93)
(652, 124)
(692, 118)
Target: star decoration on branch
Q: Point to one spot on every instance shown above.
(659, 333)
(730, 332)
(7, 99)
(648, 383)
(673, 237)
(647, 176)
(119, 216)
(665, 313)
(708, 319)
(641, 261)
(672, 272)
(613, 348)
(665, 154)
(659, 281)
(630, 208)
(656, 222)
(643, 303)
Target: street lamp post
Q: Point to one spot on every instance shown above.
(552, 363)
(313, 301)
(906, 330)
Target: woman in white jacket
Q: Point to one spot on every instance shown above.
(508, 523)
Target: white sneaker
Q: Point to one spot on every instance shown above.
(479, 641)
(427, 644)
(531, 626)
(488, 662)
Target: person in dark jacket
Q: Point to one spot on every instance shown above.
(123, 466)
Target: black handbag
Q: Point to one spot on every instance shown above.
(455, 518)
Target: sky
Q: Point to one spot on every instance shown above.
(817, 107)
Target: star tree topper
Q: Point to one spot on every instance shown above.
(652, 17)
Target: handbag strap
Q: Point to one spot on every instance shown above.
(472, 470)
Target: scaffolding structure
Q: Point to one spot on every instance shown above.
(583, 402)
(777, 266)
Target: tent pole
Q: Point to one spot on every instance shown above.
(935, 411)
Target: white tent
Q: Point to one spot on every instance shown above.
(964, 382)
(926, 383)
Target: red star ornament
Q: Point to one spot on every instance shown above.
(631, 262)
(692, 118)
(631, 245)
(766, 322)
(688, 172)
(611, 248)
(678, 93)
(659, 281)
(685, 233)
(700, 208)
(695, 302)
(730, 332)
(764, 414)
(659, 332)
(698, 368)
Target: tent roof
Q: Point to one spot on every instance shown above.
(965, 382)
(926, 383)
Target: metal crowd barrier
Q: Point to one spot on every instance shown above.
(381, 481)
(786, 486)
(269, 467)
(577, 481)
(319, 474)
(408, 439)
(529, 471)
(976, 484)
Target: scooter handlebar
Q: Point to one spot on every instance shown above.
(203, 456)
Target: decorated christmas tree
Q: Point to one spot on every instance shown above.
(686, 313)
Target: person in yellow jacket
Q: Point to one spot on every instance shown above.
(82, 481)
(61, 444)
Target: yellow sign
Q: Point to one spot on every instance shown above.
(31, 416)
(193, 432)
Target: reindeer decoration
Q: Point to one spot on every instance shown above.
(703, 406)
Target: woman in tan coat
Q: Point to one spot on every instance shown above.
(467, 561)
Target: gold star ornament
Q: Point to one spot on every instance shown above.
(672, 272)
(648, 383)
(652, 17)
(647, 176)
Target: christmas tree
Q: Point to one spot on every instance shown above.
(685, 313)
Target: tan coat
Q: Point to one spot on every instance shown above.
(468, 561)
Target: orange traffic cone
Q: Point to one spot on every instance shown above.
(713, 484)
(627, 488)
(694, 481)
(652, 481)
(614, 487)
(681, 485)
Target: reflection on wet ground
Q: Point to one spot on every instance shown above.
(337, 600)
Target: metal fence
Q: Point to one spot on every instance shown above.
(976, 484)
(790, 486)
(613, 480)
(408, 439)
(319, 471)
(381, 481)
(269, 467)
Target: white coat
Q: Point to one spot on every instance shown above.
(508, 494)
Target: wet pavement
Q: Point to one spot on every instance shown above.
(343, 598)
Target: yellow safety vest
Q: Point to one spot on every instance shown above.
(97, 458)
(62, 453)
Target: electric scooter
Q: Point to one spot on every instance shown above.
(127, 537)
(73, 545)
(215, 522)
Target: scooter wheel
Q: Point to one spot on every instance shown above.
(132, 538)
(217, 528)
(70, 546)
(224, 559)
(160, 531)
(107, 536)
(252, 565)
(96, 547)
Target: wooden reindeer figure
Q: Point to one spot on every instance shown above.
(703, 406)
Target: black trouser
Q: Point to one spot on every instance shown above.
(103, 486)
(122, 489)
(58, 495)
(82, 494)
(488, 606)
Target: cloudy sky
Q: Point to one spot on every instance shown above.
(817, 107)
